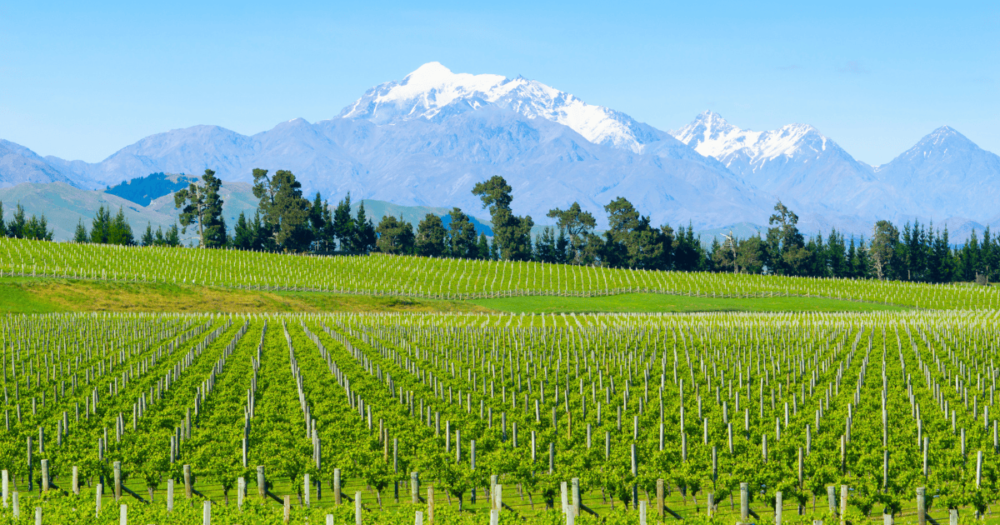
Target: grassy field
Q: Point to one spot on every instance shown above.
(675, 303)
(37, 295)
(27, 295)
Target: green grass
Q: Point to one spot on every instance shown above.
(675, 303)
(43, 295)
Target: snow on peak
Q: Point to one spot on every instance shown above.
(710, 135)
(434, 92)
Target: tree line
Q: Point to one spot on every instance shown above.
(286, 221)
(23, 227)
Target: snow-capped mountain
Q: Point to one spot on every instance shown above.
(427, 139)
(797, 164)
(947, 175)
(434, 93)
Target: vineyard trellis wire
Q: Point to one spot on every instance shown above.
(457, 279)
(333, 405)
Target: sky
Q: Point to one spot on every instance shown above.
(81, 80)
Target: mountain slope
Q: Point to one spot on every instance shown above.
(19, 164)
(799, 165)
(433, 92)
(947, 175)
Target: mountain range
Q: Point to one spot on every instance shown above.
(427, 139)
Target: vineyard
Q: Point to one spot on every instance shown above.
(473, 418)
(455, 279)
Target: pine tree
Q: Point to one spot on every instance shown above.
(80, 235)
(343, 224)
(120, 231)
(483, 247)
(100, 225)
(3, 227)
(364, 232)
(283, 210)
(18, 224)
(202, 205)
(430, 236)
(510, 232)
(395, 236)
(243, 235)
(147, 236)
(173, 237)
(461, 235)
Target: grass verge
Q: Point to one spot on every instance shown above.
(675, 303)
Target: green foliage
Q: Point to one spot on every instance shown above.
(201, 204)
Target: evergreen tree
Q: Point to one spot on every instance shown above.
(461, 235)
(510, 232)
(3, 227)
(395, 236)
(750, 255)
(244, 237)
(786, 244)
(284, 212)
(566, 252)
(147, 236)
(18, 223)
(836, 255)
(343, 224)
(578, 224)
(80, 235)
(173, 237)
(37, 228)
(483, 247)
(364, 237)
(100, 226)
(885, 237)
(202, 205)
(159, 239)
(545, 247)
(120, 231)
(321, 221)
(431, 235)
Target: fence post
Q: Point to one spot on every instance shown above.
(241, 491)
(97, 505)
(45, 475)
(953, 517)
(430, 504)
(261, 482)
(642, 512)
(170, 495)
(305, 489)
(921, 506)
(118, 480)
(38, 516)
(357, 508)
(76, 483)
(206, 513)
(187, 481)
(831, 499)
(336, 486)
(659, 497)
(710, 504)
(414, 488)
(777, 507)
(843, 504)
(744, 503)
(6, 486)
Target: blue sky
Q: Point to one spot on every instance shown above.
(81, 80)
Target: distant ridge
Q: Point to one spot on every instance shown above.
(427, 139)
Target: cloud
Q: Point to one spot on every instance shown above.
(854, 67)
